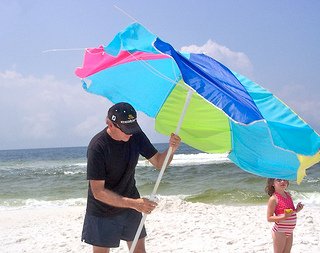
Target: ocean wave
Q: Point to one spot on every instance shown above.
(226, 197)
(13, 204)
(43, 171)
(312, 180)
(193, 159)
(74, 172)
(307, 198)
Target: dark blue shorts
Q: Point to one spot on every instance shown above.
(108, 231)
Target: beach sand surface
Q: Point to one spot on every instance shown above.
(175, 226)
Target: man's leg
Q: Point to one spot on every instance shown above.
(140, 247)
(97, 249)
(102, 231)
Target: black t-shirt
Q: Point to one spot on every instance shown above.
(115, 162)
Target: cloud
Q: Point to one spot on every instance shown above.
(41, 112)
(46, 112)
(236, 61)
(89, 123)
(38, 126)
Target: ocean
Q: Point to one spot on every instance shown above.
(57, 177)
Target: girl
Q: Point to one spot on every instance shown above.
(282, 212)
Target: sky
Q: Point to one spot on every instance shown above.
(42, 103)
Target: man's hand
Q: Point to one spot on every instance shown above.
(144, 205)
(174, 142)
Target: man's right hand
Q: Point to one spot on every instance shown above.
(145, 205)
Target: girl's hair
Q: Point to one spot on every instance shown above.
(269, 187)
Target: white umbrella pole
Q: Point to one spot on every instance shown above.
(164, 165)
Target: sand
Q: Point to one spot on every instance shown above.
(175, 226)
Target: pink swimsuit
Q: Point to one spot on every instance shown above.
(286, 226)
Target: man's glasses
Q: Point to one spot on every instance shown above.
(116, 125)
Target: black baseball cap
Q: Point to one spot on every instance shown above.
(124, 116)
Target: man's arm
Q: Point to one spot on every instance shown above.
(113, 199)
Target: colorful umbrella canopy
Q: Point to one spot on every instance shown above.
(227, 112)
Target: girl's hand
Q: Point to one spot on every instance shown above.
(299, 207)
(287, 214)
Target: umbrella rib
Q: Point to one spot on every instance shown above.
(153, 70)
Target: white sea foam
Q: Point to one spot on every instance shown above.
(74, 172)
(82, 165)
(193, 159)
(307, 198)
(13, 204)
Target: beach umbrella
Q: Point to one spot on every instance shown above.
(227, 112)
(213, 108)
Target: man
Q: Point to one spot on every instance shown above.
(114, 205)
